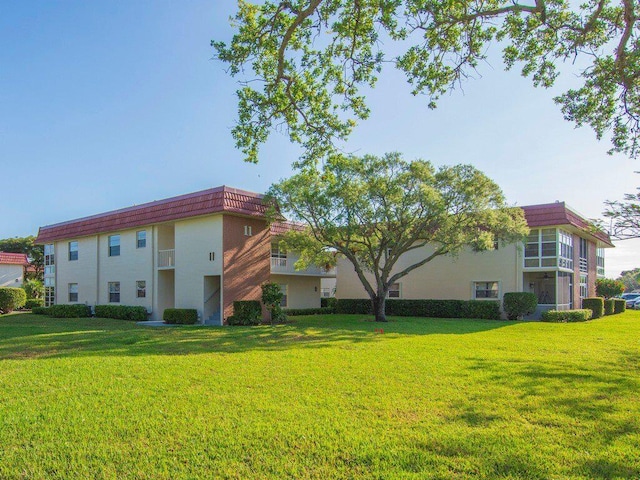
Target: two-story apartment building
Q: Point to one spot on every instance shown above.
(202, 250)
(560, 261)
(12, 267)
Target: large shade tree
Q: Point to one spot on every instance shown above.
(304, 64)
(624, 217)
(372, 210)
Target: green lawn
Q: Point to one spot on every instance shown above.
(326, 397)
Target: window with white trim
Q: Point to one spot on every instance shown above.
(73, 292)
(278, 255)
(114, 245)
(141, 239)
(285, 301)
(114, 292)
(600, 261)
(141, 289)
(483, 290)
(73, 250)
(395, 290)
(247, 230)
(584, 256)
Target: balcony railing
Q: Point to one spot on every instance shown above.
(166, 258)
(287, 265)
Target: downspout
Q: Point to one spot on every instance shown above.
(98, 269)
(153, 270)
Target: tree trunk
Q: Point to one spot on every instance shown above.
(379, 308)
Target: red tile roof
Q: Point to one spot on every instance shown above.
(13, 259)
(556, 214)
(278, 228)
(215, 200)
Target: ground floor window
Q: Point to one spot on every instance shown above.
(141, 289)
(49, 296)
(584, 288)
(73, 292)
(485, 290)
(284, 301)
(394, 291)
(565, 289)
(114, 292)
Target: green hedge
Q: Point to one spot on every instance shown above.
(567, 315)
(40, 310)
(33, 303)
(246, 312)
(619, 305)
(595, 304)
(518, 304)
(487, 309)
(180, 316)
(76, 310)
(122, 312)
(329, 302)
(293, 312)
(11, 299)
(609, 306)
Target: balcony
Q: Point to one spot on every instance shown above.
(286, 266)
(166, 259)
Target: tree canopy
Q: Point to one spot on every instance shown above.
(624, 216)
(304, 64)
(373, 210)
(35, 253)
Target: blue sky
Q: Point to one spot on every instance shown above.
(104, 105)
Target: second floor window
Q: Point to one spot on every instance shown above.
(73, 250)
(114, 245)
(141, 239)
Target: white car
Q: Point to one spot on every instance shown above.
(636, 304)
(630, 298)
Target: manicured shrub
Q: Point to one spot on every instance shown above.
(518, 304)
(246, 312)
(180, 316)
(40, 310)
(33, 303)
(76, 310)
(11, 299)
(559, 316)
(485, 309)
(355, 306)
(619, 305)
(609, 306)
(595, 304)
(292, 312)
(328, 302)
(122, 312)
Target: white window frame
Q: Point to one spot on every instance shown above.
(284, 288)
(474, 289)
(141, 239)
(248, 231)
(73, 243)
(114, 289)
(395, 290)
(73, 290)
(114, 253)
(141, 288)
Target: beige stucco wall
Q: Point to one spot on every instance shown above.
(444, 277)
(195, 239)
(302, 291)
(9, 274)
(81, 271)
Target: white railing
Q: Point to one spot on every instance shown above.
(278, 262)
(287, 265)
(166, 258)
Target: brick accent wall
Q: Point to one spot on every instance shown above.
(247, 260)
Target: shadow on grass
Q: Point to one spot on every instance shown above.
(32, 336)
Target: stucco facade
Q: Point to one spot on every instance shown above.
(200, 251)
(12, 267)
(559, 262)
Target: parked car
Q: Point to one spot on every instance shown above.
(630, 298)
(636, 304)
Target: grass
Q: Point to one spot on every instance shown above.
(325, 397)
